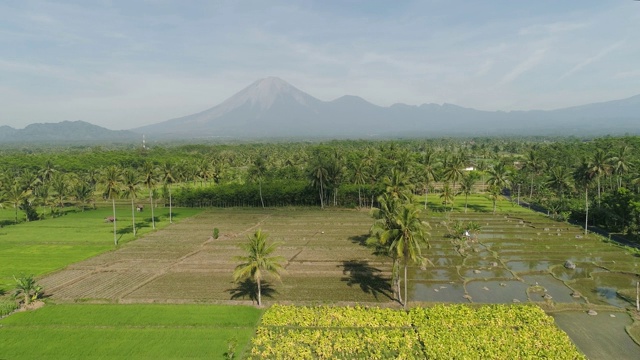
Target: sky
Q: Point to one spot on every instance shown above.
(124, 64)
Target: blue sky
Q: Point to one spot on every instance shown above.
(123, 64)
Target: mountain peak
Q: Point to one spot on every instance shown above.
(265, 92)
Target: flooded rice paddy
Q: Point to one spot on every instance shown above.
(530, 258)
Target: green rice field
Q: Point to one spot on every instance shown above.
(127, 332)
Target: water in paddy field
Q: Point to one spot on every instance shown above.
(553, 287)
(513, 262)
(449, 292)
(497, 292)
(529, 266)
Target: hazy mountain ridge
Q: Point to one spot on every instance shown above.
(65, 131)
(271, 107)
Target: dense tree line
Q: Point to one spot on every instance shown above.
(592, 181)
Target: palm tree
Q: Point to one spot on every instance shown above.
(47, 172)
(466, 186)
(494, 193)
(335, 172)
(258, 263)
(27, 287)
(15, 195)
(82, 193)
(533, 164)
(382, 235)
(453, 169)
(398, 183)
(408, 235)
(318, 174)
(257, 172)
(60, 184)
(168, 178)
(112, 180)
(448, 196)
(131, 184)
(583, 176)
(359, 176)
(149, 179)
(499, 176)
(560, 180)
(620, 163)
(482, 167)
(42, 195)
(429, 164)
(600, 167)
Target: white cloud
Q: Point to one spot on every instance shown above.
(524, 66)
(601, 54)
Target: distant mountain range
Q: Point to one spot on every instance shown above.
(66, 131)
(271, 108)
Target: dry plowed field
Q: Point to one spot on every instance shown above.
(183, 263)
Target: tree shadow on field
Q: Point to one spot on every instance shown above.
(173, 214)
(367, 277)
(129, 229)
(360, 239)
(479, 208)
(249, 289)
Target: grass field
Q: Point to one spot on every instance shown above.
(127, 331)
(40, 247)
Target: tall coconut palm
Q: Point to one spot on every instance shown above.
(482, 167)
(398, 184)
(447, 195)
(60, 184)
(499, 176)
(583, 176)
(47, 172)
(494, 193)
(131, 185)
(258, 263)
(112, 181)
(374, 171)
(559, 179)
(335, 172)
(620, 163)
(257, 172)
(600, 167)
(169, 176)
(359, 176)
(453, 169)
(15, 195)
(150, 179)
(82, 193)
(533, 164)
(428, 164)
(466, 186)
(42, 195)
(318, 174)
(410, 238)
(383, 235)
